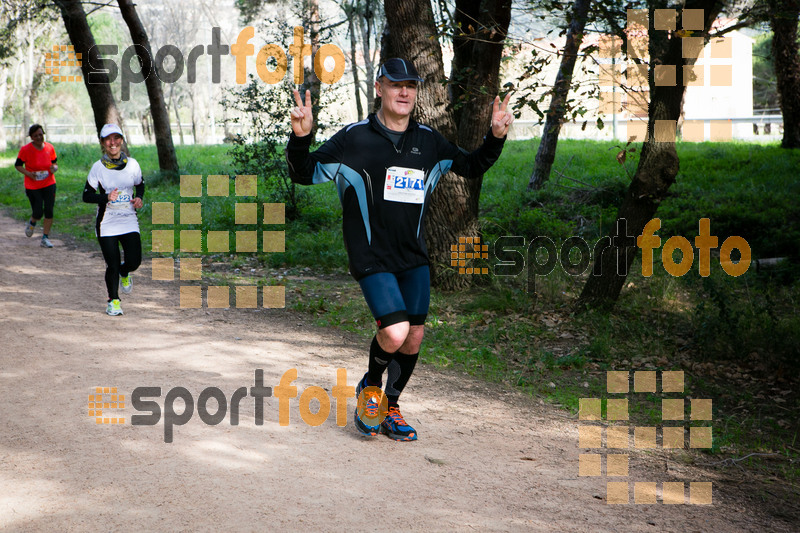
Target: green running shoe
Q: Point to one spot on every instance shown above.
(126, 284)
(114, 308)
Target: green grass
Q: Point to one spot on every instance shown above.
(736, 338)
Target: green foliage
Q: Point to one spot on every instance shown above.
(765, 91)
(745, 189)
(248, 10)
(261, 151)
(749, 321)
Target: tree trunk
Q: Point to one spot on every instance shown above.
(408, 36)
(102, 100)
(311, 20)
(194, 117)
(481, 29)
(655, 173)
(177, 114)
(3, 92)
(167, 160)
(145, 126)
(351, 15)
(410, 25)
(409, 28)
(366, 23)
(555, 114)
(783, 17)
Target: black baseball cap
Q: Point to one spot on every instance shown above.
(397, 69)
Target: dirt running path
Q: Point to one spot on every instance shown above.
(486, 459)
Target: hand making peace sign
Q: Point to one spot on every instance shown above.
(302, 118)
(501, 118)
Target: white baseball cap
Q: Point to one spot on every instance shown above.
(108, 129)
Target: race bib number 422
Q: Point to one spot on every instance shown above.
(405, 185)
(123, 200)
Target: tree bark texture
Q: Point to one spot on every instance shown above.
(546, 153)
(655, 173)
(102, 100)
(409, 34)
(366, 22)
(311, 20)
(3, 92)
(356, 83)
(481, 30)
(410, 25)
(783, 18)
(167, 160)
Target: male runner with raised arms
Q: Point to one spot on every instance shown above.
(385, 169)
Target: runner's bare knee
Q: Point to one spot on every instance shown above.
(391, 338)
(413, 340)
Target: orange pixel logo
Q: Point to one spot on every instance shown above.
(617, 435)
(101, 399)
(197, 241)
(459, 255)
(705, 65)
(55, 60)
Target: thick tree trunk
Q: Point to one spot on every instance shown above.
(167, 160)
(658, 166)
(449, 217)
(475, 76)
(410, 25)
(102, 100)
(783, 17)
(555, 114)
(408, 35)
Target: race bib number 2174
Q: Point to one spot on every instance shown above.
(405, 185)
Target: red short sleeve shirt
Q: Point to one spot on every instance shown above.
(38, 161)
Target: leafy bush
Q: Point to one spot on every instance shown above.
(261, 152)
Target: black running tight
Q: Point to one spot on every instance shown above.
(131, 247)
(42, 201)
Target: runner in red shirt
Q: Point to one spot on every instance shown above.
(37, 161)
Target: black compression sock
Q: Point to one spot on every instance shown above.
(32, 222)
(379, 359)
(400, 370)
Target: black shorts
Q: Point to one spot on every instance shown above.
(398, 297)
(42, 201)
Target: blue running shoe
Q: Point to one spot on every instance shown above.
(395, 427)
(368, 409)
